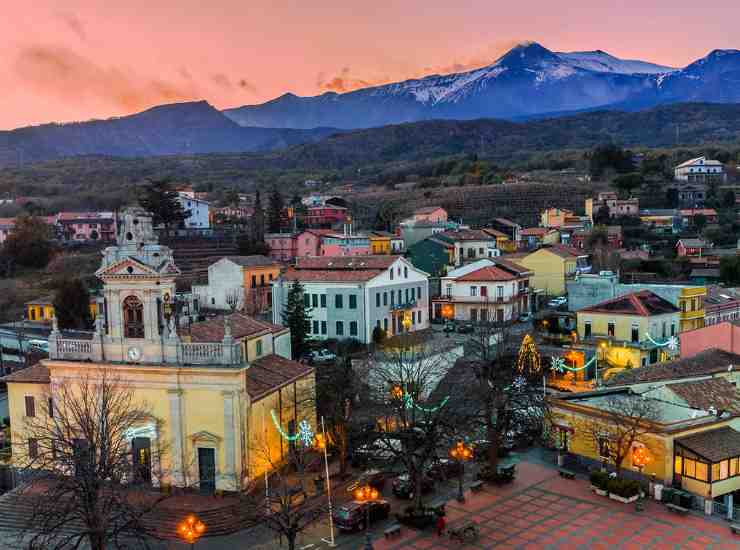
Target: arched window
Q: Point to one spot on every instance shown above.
(133, 318)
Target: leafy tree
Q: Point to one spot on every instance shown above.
(163, 202)
(610, 157)
(258, 219)
(296, 318)
(700, 222)
(378, 336)
(249, 246)
(601, 216)
(728, 199)
(336, 388)
(72, 305)
(671, 197)
(627, 182)
(29, 243)
(275, 211)
(729, 270)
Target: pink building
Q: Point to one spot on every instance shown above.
(724, 336)
(283, 246)
(434, 214)
(308, 243)
(6, 226)
(87, 226)
(325, 242)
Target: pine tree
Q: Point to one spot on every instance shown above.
(296, 318)
(275, 211)
(258, 219)
(161, 200)
(72, 305)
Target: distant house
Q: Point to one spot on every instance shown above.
(613, 204)
(557, 217)
(724, 335)
(701, 170)
(283, 246)
(553, 265)
(662, 220)
(486, 290)
(503, 242)
(688, 216)
(6, 226)
(721, 304)
(384, 242)
(432, 214)
(87, 226)
(432, 255)
(199, 210)
(470, 245)
(579, 238)
(534, 237)
(510, 228)
(691, 247)
(325, 215)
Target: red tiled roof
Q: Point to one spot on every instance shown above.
(427, 209)
(564, 251)
(35, 374)
(644, 303)
(494, 232)
(466, 235)
(345, 262)
(488, 273)
(241, 327)
(719, 393)
(710, 361)
(715, 445)
(268, 373)
(330, 275)
(534, 231)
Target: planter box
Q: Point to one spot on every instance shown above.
(601, 492)
(622, 499)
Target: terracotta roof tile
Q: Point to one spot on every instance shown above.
(488, 273)
(330, 275)
(427, 209)
(35, 374)
(714, 445)
(644, 303)
(268, 373)
(466, 235)
(534, 231)
(709, 361)
(711, 392)
(241, 327)
(346, 262)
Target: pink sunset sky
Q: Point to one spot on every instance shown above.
(81, 59)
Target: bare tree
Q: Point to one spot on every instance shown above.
(77, 467)
(625, 418)
(234, 298)
(400, 379)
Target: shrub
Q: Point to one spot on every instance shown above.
(625, 488)
(599, 479)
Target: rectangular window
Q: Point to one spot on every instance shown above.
(314, 300)
(419, 316)
(413, 294)
(635, 336)
(673, 329)
(339, 301)
(500, 292)
(702, 472)
(678, 465)
(587, 330)
(353, 301)
(724, 470)
(689, 467)
(262, 280)
(474, 315)
(385, 298)
(484, 291)
(315, 327)
(391, 272)
(474, 291)
(733, 467)
(254, 281)
(385, 325)
(418, 293)
(405, 272)
(610, 329)
(323, 327)
(33, 448)
(664, 329)
(377, 299)
(406, 292)
(323, 300)
(307, 300)
(353, 328)
(258, 347)
(50, 404)
(393, 298)
(30, 406)
(399, 296)
(340, 328)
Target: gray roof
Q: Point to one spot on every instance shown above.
(704, 363)
(251, 261)
(714, 445)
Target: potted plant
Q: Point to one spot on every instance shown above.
(623, 490)
(599, 481)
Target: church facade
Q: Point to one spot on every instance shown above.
(217, 415)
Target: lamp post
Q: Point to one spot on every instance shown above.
(323, 446)
(406, 322)
(602, 347)
(462, 454)
(367, 495)
(191, 529)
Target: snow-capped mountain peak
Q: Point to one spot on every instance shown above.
(600, 61)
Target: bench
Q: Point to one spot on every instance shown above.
(476, 486)
(676, 508)
(567, 474)
(392, 531)
(735, 528)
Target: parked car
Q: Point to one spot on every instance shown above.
(525, 318)
(374, 478)
(377, 451)
(403, 488)
(321, 356)
(444, 468)
(353, 515)
(449, 327)
(557, 302)
(465, 328)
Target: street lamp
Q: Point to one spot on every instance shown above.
(191, 529)
(640, 458)
(462, 454)
(602, 347)
(406, 322)
(367, 495)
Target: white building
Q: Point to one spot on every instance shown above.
(238, 283)
(486, 290)
(350, 296)
(701, 170)
(199, 210)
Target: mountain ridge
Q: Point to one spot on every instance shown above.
(528, 80)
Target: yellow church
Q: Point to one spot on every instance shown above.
(217, 409)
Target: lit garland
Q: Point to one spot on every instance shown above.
(672, 343)
(305, 433)
(558, 365)
(408, 402)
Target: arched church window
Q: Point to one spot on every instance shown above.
(133, 317)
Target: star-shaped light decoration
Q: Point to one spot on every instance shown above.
(673, 343)
(557, 364)
(305, 433)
